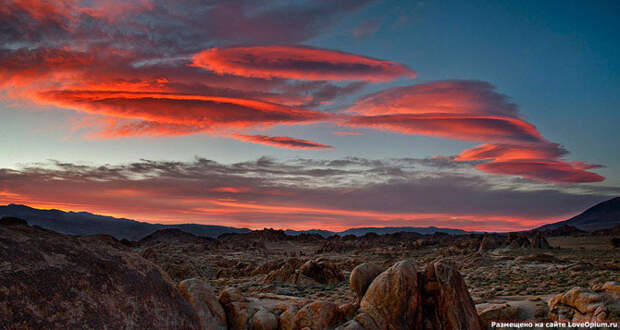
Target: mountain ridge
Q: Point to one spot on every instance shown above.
(600, 216)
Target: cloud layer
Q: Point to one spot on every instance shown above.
(297, 62)
(282, 142)
(169, 68)
(301, 193)
(471, 111)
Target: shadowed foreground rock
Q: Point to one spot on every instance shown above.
(54, 281)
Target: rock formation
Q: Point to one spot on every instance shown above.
(361, 277)
(540, 242)
(583, 305)
(205, 303)
(55, 281)
(403, 298)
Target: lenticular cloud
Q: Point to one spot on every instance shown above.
(299, 62)
(471, 111)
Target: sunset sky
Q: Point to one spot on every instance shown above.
(479, 115)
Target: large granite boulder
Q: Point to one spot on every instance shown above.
(404, 298)
(361, 277)
(205, 303)
(585, 305)
(55, 281)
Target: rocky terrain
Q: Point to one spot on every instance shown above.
(269, 280)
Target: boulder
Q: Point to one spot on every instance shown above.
(447, 303)
(286, 272)
(403, 298)
(361, 277)
(322, 271)
(54, 281)
(583, 305)
(393, 299)
(205, 303)
(498, 312)
(488, 243)
(264, 320)
(318, 315)
(540, 242)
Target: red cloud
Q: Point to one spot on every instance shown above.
(512, 151)
(282, 142)
(461, 127)
(197, 111)
(543, 170)
(441, 97)
(472, 111)
(298, 62)
(535, 161)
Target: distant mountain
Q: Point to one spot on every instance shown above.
(600, 216)
(379, 230)
(84, 223)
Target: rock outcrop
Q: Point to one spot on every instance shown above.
(295, 271)
(205, 303)
(498, 312)
(321, 271)
(540, 242)
(361, 277)
(403, 298)
(488, 243)
(55, 281)
(584, 305)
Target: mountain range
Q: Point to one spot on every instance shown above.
(601, 216)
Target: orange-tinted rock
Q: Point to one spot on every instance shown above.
(361, 277)
(205, 303)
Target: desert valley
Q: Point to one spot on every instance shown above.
(266, 279)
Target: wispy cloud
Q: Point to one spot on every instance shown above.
(302, 193)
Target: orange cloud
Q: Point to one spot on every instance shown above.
(471, 111)
(543, 170)
(282, 142)
(298, 62)
(168, 109)
(453, 126)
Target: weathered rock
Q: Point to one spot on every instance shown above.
(206, 304)
(447, 303)
(239, 310)
(264, 320)
(517, 241)
(579, 304)
(318, 315)
(361, 277)
(287, 272)
(393, 299)
(498, 312)
(402, 298)
(322, 271)
(488, 243)
(55, 281)
(540, 242)
(612, 288)
(287, 318)
(348, 310)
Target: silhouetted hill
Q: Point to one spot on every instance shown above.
(84, 223)
(600, 216)
(379, 230)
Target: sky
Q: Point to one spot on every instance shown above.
(479, 115)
